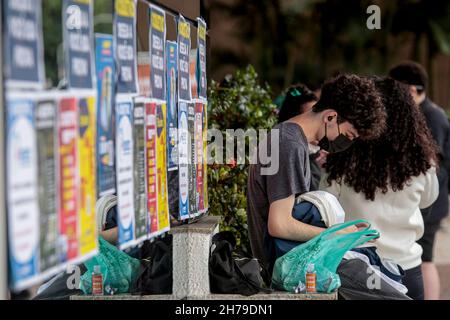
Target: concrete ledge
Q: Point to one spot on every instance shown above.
(278, 295)
(206, 225)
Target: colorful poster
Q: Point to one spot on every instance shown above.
(184, 49)
(172, 112)
(144, 74)
(22, 195)
(125, 45)
(172, 127)
(201, 59)
(205, 157)
(193, 73)
(23, 49)
(124, 161)
(199, 156)
(46, 160)
(67, 179)
(193, 196)
(183, 157)
(87, 173)
(140, 206)
(78, 39)
(106, 174)
(161, 165)
(157, 40)
(150, 164)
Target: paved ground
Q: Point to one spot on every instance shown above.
(442, 258)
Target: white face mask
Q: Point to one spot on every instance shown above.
(313, 149)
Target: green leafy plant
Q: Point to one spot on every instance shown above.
(238, 102)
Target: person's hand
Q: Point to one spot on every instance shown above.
(355, 228)
(322, 158)
(350, 229)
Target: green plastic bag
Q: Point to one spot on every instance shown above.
(326, 252)
(119, 270)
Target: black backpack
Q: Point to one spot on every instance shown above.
(156, 270)
(231, 273)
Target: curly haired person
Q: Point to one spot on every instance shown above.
(415, 77)
(388, 180)
(350, 107)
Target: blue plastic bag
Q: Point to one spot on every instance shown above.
(325, 251)
(119, 270)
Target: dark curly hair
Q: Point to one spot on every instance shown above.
(357, 101)
(405, 150)
(296, 97)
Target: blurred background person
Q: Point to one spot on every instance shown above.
(415, 76)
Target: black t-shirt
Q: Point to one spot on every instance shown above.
(292, 178)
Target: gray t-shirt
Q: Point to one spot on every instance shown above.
(292, 178)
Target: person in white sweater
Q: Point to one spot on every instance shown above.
(388, 180)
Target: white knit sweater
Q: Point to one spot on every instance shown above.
(396, 215)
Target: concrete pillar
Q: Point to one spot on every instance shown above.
(191, 248)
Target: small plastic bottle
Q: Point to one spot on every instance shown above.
(97, 281)
(311, 279)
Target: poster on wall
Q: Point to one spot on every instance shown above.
(67, 178)
(105, 65)
(45, 116)
(201, 59)
(78, 39)
(205, 157)
(183, 158)
(172, 112)
(184, 49)
(87, 176)
(193, 73)
(151, 168)
(23, 49)
(140, 197)
(143, 70)
(172, 127)
(22, 195)
(199, 157)
(124, 161)
(125, 45)
(161, 167)
(192, 158)
(157, 39)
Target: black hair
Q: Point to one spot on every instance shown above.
(296, 97)
(411, 73)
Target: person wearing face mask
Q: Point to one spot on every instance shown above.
(388, 180)
(350, 108)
